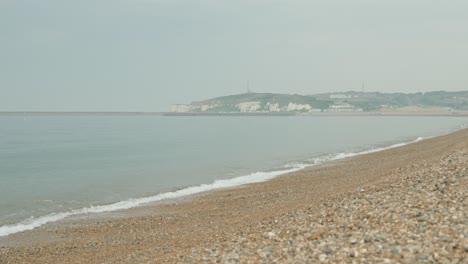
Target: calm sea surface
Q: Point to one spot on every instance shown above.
(51, 164)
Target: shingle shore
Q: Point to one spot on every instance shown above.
(404, 205)
(419, 218)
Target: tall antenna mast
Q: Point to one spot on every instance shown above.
(248, 87)
(363, 86)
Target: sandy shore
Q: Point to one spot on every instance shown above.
(406, 204)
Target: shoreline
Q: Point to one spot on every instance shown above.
(215, 217)
(187, 192)
(238, 114)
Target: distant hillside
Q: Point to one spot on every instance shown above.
(375, 101)
(329, 102)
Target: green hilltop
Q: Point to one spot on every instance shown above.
(264, 98)
(340, 101)
(371, 101)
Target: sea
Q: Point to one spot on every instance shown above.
(54, 167)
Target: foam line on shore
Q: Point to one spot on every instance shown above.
(33, 223)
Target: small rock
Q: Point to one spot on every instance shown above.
(396, 250)
(322, 257)
(424, 256)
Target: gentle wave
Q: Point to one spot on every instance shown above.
(33, 223)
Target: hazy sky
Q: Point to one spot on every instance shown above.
(143, 55)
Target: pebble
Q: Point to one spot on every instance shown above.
(322, 257)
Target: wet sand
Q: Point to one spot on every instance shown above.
(377, 207)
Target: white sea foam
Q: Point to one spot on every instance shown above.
(33, 223)
(351, 154)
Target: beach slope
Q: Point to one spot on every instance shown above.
(406, 204)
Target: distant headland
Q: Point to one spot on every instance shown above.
(439, 102)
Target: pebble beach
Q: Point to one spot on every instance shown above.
(401, 205)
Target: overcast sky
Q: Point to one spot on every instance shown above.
(143, 55)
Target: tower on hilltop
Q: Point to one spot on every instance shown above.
(248, 87)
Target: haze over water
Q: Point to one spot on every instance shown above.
(60, 163)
